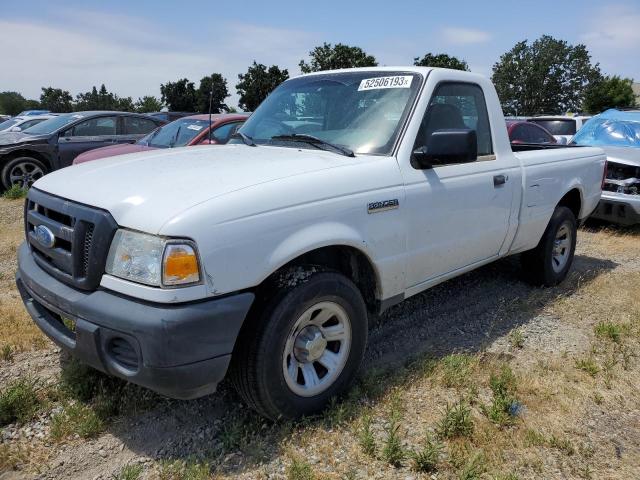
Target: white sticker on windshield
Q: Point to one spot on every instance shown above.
(197, 128)
(397, 81)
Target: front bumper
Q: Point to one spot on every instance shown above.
(618, 208)
(182, 351)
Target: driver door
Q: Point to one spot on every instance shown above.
(458, 213)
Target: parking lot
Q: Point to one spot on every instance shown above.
(569, 355)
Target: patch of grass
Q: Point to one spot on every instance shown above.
(503, 386)
(129, 472)
(426, 459)
(365, 436)
(19, 401)
(455, 369)
(516, 338)
(610, 331)
(563, 444)
(506, 476)
(588, 365)
(76, 419)
(456, 421)
(392, 452)
(6, 353)
(12, 456)
(533, 438)
(298, 469)
(15, 192)
(184, 470)
(475, 467)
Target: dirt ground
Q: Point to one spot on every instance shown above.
(574, 384)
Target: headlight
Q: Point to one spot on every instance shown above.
(152, 260)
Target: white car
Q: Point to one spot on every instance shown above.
(345, 192)
(19, 124)
(562, 127)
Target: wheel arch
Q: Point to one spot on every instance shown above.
(573, 201)
(25, 152)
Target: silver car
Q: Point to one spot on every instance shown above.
(618, 133)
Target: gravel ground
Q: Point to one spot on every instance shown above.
(473, 313)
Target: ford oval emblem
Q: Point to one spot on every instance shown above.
(45, 236)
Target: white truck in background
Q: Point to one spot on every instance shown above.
(345, 192)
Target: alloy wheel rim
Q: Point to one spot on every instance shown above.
(25, 174)
(561, 247)
(317, 349)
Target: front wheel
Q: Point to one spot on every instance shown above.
(549, 263)
(22, 171)
(303, 348)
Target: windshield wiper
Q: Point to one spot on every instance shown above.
(245, 138)
(175, 137)
(315, 141)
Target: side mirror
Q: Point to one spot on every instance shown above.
(445, 147)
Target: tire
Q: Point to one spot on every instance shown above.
(548, 264)
(280, 345)
(22, 171)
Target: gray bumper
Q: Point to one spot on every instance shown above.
(181, 351)
(618, 208)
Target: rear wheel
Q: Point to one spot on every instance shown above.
(22, 171)
(303, 348)
(549, 263)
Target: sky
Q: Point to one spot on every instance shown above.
(134, 46)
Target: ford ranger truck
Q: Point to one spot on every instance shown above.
(346, 192)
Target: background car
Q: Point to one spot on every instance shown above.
(525, 132)
(170, 116)
(17, 124)
(28, 155)
(561, 126)
(187, 131)
(618, 133)
(27, 113)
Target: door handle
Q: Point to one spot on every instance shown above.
(499, 180)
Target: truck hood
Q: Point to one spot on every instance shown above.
(145, 190)
(624, 155)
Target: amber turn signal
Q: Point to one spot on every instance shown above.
(180, 265)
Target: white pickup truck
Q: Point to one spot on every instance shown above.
(344, 193)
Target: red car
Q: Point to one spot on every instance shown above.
(186, 131)
(528, 132)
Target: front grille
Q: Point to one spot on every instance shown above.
(622, 179)
(82, 236)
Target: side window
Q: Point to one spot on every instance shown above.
(138, 126)
(222, 133)
(457, 106)
(95, 127)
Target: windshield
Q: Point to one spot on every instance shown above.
(609, 132)
(362, 111)
(51, 125)
(175, 134)
(9, 123)
(557, 127)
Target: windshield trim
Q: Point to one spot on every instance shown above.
(410, 112)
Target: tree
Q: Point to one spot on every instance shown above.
(102, 100)
(179, 96)
(255, 85)
(217, 84)
(56, 100)
(609, 92)
(12, 103)
(548, 76)
(329, 57)
(441, 60)
(148, 104)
